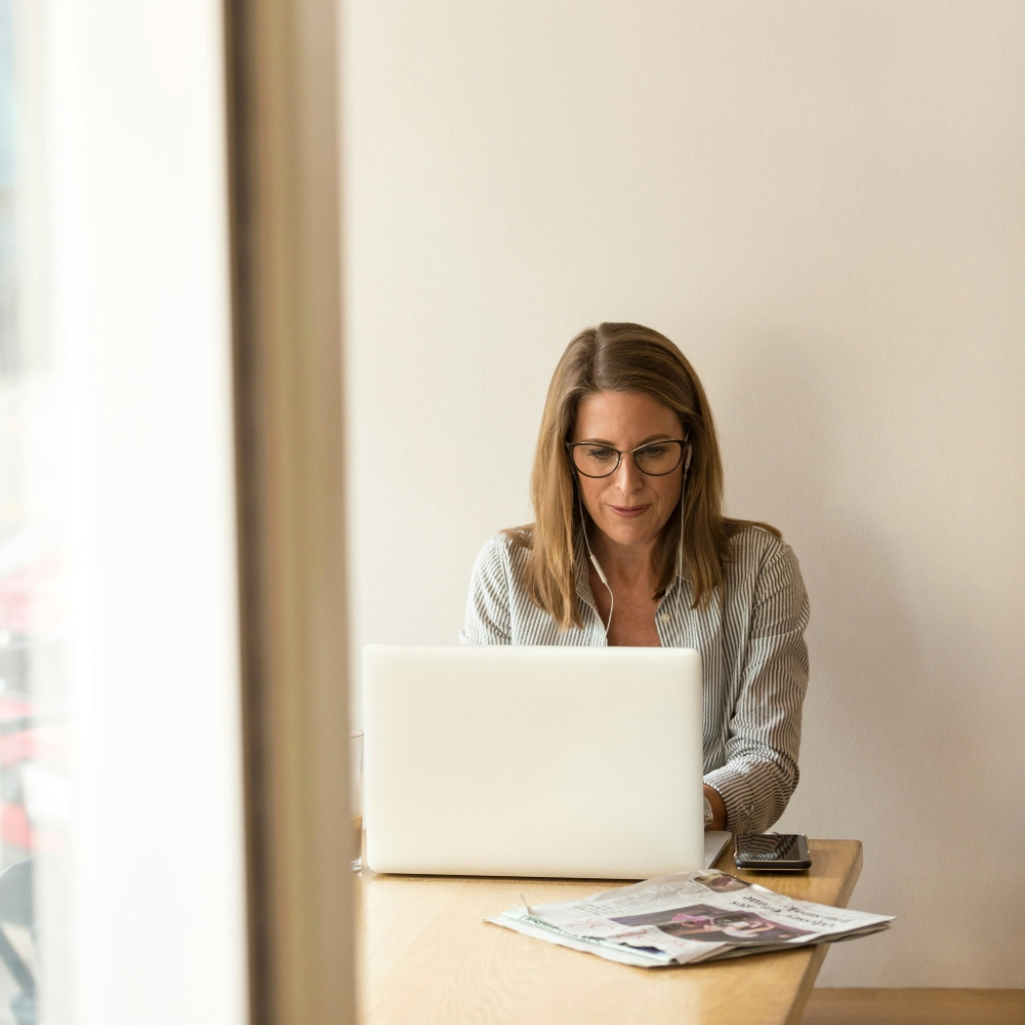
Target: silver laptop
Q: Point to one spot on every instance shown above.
(533, 761)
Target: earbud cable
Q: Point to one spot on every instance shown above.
(595, 563)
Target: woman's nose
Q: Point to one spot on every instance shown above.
(628, 477)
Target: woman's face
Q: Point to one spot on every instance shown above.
(629, 507)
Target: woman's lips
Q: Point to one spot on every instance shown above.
(629, 511)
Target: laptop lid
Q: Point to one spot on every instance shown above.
(533, 761)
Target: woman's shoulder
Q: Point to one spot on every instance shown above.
(504, 552)
(756, 539)
(759, 553)
(509, 542)
(496, 589)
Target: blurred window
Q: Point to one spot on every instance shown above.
(35, 788)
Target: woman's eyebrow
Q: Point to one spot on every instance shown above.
(658, 437)
(647, 441)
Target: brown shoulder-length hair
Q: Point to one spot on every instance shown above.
(625, 358)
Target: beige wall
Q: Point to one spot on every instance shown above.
(823, 204)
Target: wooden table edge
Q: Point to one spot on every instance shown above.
(819, 953)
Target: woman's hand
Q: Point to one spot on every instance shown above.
(718, 808)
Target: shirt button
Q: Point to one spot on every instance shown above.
(665, 617)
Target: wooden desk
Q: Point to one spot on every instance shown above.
(426, 956)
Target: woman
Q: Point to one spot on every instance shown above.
(629, 546)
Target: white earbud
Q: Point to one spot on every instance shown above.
(686, 472)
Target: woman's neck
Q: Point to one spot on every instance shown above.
(631, 565)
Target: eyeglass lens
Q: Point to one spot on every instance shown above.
(657, 459)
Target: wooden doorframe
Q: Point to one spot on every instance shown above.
(283, 165)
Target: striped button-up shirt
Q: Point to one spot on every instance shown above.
(753, 656)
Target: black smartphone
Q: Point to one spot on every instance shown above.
(772, 852)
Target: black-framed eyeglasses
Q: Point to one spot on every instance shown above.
(656, 459)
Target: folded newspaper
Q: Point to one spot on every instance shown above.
(687, 918)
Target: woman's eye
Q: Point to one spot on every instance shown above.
(600, 453)
(654, 451)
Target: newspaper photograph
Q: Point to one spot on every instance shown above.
(688, 918)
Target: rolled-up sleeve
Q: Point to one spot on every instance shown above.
(488, 618)
(760, 772)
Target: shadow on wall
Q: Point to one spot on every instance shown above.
(890, 748)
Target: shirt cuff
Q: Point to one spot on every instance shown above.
(735, 790)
